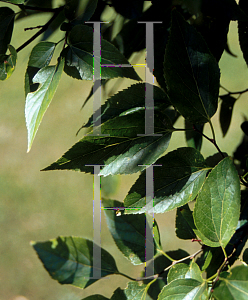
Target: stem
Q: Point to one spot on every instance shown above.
(166, 255)
(213, 141)
(233, 93)
(128, 277)
(43, 29)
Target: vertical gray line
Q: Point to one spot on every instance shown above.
(97, 79)
(149, 97)
(149, 222)
(96, 223)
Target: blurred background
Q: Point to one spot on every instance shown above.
(39, 206)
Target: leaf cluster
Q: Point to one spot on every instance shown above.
(209, 194)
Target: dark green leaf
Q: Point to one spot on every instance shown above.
(184, 289)
(226, 112)
(176, 182)
(15, 1)
(191, 72)
(217, 207)
(39, 58)
(244, 127)
(185, 223)
(193, 137)
(7, 17)
(233, 286)
(128, 101)
(183, 271)
(129, 232)
(38, 101)
(129, 9)
(245, 256)
(69, 260)
(8, 63)
(79, 57)
(123, 151)
(134, 291)
(95, 297)
(243, 30)
(87, 13)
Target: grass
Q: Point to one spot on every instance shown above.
(42, 205)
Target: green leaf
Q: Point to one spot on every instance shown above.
(128, 101)
(233, 286)
(183, 271)
(193, 137)
(15, 1)
(87, 13)
(191, 72)
(38, 101)
(226, 110)
(7, 17)
(8, 63)
(134, 291)
(79, 57)
(184, 289)
(69, 260)
(217, 207)
(40, 57)
(123, 151)
(129, 232)
(176, 182)
(185, 223)
(95, 297)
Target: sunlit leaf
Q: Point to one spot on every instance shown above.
(134, 291)
(183, 271)
(39, 58)
(217, 207)
(123, 151)
(194, 95)
(38, 101)
(232, 286)
(176, 182)
(79, 57)
(129, 232)
(69, 260)
(181, 289)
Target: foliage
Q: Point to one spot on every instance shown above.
(187, 47)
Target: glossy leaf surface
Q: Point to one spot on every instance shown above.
(233, 286)
(79, 57)
(39, 58)
(176, 182)
(120, 153)
(195, 95)
(128, 101)
(129, 232)
(134, 291)
(217, 207)
(69, 260)
(184, 289)
(183, 271)
(38, 101)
